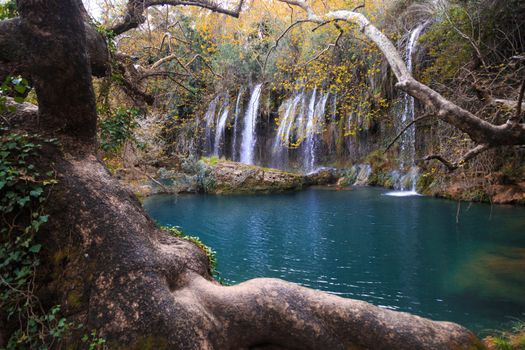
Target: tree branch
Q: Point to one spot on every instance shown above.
(135, 11)
(479, 130)
(519, 104)
(424, 116)
(464, 159)
(290, 27)
(205, 63)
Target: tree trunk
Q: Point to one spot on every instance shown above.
(108, 265)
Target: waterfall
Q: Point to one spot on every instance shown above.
(281, 140)
(235, 123)
(221, 125)
(408, 139)
(209, 120)
(316, 113)
(332, 145)
(248, 133)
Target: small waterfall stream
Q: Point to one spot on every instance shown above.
(221, 125)
(313, 129)
(248, 134)
(407, 182)
(209, 120)
(300, 124)
(236, 123)
(281, 141)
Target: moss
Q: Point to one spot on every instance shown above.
(425, 182)
(214, 160)
(476, 194)
(511, 339)
(74, 299)
(59, 256)
(144, 343)
(380, 178)
(210, 253)
(380, 161)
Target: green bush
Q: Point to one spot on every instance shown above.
(116, 130)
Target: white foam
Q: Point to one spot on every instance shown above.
(402, 194)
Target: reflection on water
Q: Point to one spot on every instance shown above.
(404, 254)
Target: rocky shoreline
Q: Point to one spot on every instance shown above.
(222, 177)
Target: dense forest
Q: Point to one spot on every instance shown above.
(126, 124)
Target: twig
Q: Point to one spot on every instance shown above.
(517, 118)
(424, 116)
(280, 38)
(466, 157)
(205, 63)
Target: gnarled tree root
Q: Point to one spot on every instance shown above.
(141, 287)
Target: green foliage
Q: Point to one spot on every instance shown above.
(15, 87)
(447, 48)
(8, 10)
(117, 129)
(22, 195)
(210, 253)
(213, 160)
(93, 341)
(425, 181)
(502, 344)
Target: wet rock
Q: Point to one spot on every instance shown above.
(231, 177)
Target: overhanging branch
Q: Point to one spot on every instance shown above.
(479, 130)
(464, 159)
(135, 11)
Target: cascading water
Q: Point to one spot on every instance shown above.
(301, 120)
(407, 182)
(248, 133)
(313, 127)
(221, 126)
(209, 120)
(235, 123)
(281, 141)
(333, 126)
(308, 133)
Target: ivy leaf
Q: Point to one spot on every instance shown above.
(36, 192)
(23, 201)
(36, 248)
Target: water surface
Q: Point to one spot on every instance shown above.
(405, 254)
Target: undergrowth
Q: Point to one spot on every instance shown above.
(24, 190)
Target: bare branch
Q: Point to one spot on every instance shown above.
(519, 106)
(326, 49)
(167, 59)
(135, 11)
(466, 157)
(424, 116)
(290, 27)
(205, 63)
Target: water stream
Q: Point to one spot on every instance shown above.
(236, 123)
(406, 180)
(249, 130)
(221, 126)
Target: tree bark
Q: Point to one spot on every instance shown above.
(109, 266)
